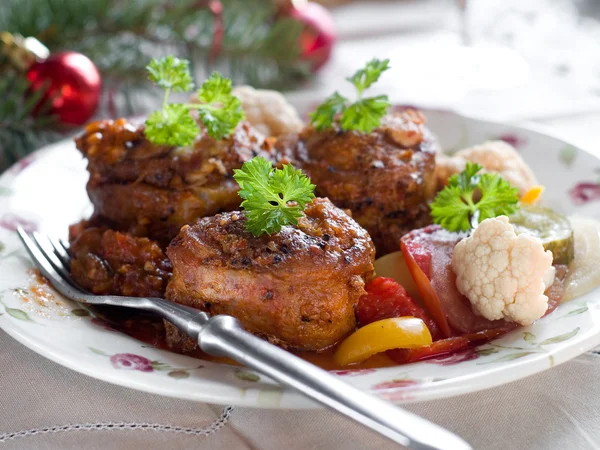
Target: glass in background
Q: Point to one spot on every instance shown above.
(557, 38)
(488, 65)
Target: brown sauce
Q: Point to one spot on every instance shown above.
(150, 330)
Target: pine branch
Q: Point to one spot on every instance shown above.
(20, 131)
(121, 36)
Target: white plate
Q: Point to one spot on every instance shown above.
(47, 191)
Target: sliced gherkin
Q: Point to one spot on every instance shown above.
(551, 227)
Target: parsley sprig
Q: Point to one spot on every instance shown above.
(364, 114)
(455, 205)
(272, 197)
(219, 110)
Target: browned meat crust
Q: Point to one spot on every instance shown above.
(297, 288)
(386, 177)
(152, 190)
(104, 261)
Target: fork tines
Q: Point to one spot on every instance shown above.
(52, 259)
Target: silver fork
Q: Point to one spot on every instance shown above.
(223, 335)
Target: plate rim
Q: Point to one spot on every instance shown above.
(295, 399)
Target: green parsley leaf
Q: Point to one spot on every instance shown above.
(172, 125)
(220, 123)
(171, 73)
(498, 197)
(325, 113)
(217, 89)
(468, 179)
(450, 210)
(455, 205)
(220, 111)
(365, 77)
(365, 114)
(272, 197)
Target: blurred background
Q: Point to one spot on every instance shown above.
(65, 62)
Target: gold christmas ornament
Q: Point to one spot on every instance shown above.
(22, 52)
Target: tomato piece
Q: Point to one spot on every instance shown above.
(418, 259)
(393, 265)
(428, 253)
(386, 298)
(377, 337)
(437, 348)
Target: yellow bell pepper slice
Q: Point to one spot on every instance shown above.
(532, 195)
(386, 334)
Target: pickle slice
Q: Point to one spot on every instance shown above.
(552, 228)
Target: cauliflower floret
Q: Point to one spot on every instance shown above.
(503, 275)
(495, 156)
(268, 111)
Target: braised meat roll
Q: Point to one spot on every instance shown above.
(386, 177)
(297, 288)
(104, 261)
(151, 190)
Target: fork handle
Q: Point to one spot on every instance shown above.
(224, 336)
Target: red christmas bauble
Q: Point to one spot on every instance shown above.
(319, 34)
(73, 86)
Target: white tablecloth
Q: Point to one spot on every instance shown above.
(46, 406)
(557, 409)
